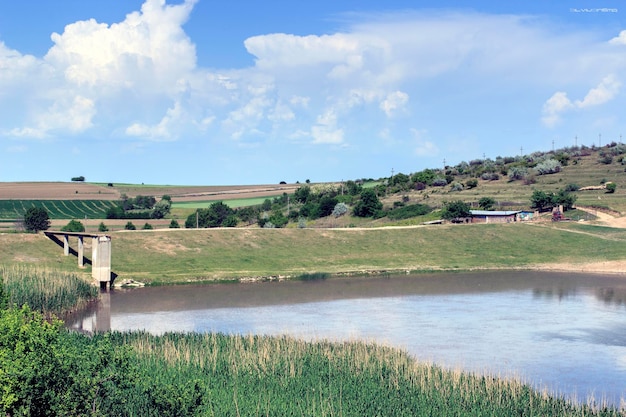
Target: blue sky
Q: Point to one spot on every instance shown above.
(243, 92)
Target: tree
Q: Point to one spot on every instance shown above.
(564, 198)
(302, 194)
(80, 179)
(174, 224)
(541, 200)
(218, 212)
(326, 205)
(162, 208)
(73, 226)
(130, 226)
(147, 226)
(455, 210)
(353, 188)
(486, 203)
(36, 219)
(278, 219)
(102, 227)
(368, 205)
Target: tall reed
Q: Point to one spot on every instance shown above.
(262, 375)
(51, 292)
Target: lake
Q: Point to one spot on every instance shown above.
(564, 332)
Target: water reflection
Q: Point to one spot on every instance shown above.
(563, 331)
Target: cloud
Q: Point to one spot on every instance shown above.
(423, 147)
(164, 130)
(325, 131)
(559, 102)
(72, 115)
(148, 48)
(554, 106)
(605, 91)
(620, 39)
(394, 102)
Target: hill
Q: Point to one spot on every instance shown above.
(509, 181)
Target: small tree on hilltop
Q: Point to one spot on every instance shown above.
(455, 210)
(73, 226)
(130, 226)
(36, 219)
(102, 227)
(174, 224)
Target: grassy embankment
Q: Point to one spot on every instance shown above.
(174, 256)
(51, 292)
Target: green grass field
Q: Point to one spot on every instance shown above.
(177, 256)
(57, 209)
(233, 203)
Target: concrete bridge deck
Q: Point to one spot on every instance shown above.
(100, 252)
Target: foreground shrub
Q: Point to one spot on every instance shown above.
(47, 371)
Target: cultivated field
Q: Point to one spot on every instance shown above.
(56, 191)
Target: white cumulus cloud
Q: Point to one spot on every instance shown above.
(559, 103)
(619, 39)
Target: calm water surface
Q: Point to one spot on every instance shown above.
(564, 332)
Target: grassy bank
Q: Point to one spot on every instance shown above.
(171, 256)
(50, 292)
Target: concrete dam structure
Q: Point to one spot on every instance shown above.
(100, 253)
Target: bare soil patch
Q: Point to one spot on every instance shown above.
(56, 191)
(606, 219)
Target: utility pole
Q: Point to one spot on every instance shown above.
(521, 151)
(576, 141)
(599, 140)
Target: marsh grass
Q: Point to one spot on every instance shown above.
(263, 375)
(48, 291)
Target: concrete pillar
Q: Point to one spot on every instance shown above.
(101, 259)
(81, 250)
(103, 314)
(66, 245)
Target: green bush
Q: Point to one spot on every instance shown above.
(455, 210)
(174, 224)
(102, 227)
(130, 226)
(610, 187)
(73, 226)
(407, 212)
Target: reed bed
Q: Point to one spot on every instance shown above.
(217, 374)
(50, 292)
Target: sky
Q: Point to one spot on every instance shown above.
(199, 92)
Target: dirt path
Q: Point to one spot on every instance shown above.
(606, 219)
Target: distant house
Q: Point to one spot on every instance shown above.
(484, 216)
